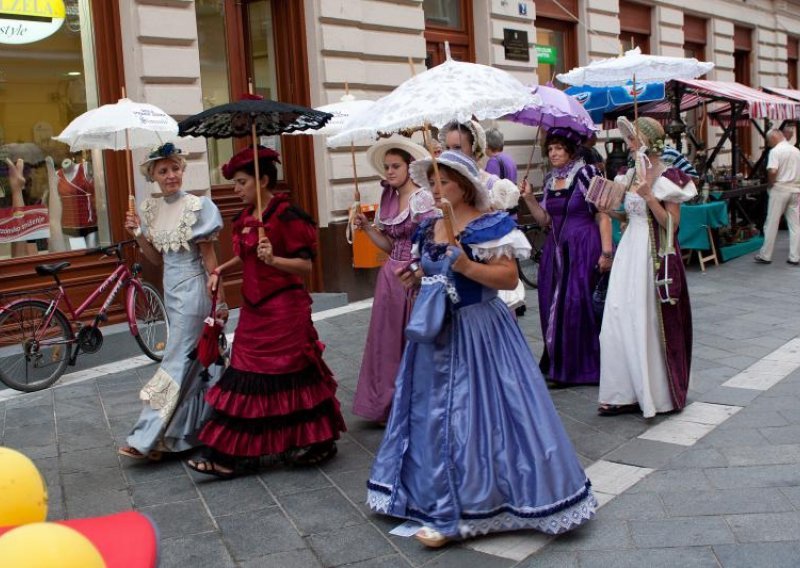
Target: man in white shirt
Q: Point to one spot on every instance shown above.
(783, 174)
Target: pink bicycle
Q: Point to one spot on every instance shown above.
(38, 340)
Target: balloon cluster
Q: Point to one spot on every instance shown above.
(35, 543)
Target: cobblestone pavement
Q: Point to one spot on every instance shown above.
(716, 485)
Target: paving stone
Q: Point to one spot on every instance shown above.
(748, 418)
(549, 558)
(463, 558)
(728, 395)
(793, 494)
(766, 455)
(588, 441)
(633, 506)
(259, 533)
(350, 457)
(33, 436)
(694, 458)
(24, 416)
(180, 519)
(645, 453)
(350, 544)
(680, 532)
(692, 557)
(291, 559)
(767, 527)
(89, 460)
(595, 535)
(143, 471)
(673, 480)
(198, 551)
(89, 481)
(354, 485)
(724, 502)
(758, 555)
(285, 481)
(393, 561)
(225, 497)
(310, 511)
(782, 435)
(754, 476)
(82, 503)
(729, 436)
(164, 491)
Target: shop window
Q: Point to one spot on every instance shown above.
(448, 21)
(742, 46)
(792, 49)
(559, 38)
(44, 84)
(635, 25)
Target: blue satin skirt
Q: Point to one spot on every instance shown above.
(474, 444)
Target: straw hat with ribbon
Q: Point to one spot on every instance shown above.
(378, 151)
(647, 130)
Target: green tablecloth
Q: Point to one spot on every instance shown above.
(692, 233)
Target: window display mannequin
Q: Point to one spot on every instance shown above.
(78, 214)
(56, 242)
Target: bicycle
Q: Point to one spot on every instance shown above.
(529, 267)
(38, 340)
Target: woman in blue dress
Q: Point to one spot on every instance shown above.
(178, 230)
(474, 444)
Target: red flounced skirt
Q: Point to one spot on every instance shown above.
(277, 394)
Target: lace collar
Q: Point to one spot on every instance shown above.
(169, 220)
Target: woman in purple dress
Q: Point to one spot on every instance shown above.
(402, 206)
(577, 250)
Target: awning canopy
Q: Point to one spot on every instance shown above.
(788, 93)
(759, 104)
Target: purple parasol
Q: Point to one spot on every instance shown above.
(558, 109)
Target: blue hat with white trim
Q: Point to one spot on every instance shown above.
(459, 162)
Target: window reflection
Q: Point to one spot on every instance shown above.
(59, 204)
(443, 13)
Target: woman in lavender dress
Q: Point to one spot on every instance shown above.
(402, 206)
(577, 250)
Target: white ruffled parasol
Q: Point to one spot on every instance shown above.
(643, 68)
(453, 90)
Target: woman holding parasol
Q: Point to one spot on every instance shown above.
(277, 397)
(473, 444)
(403, 205)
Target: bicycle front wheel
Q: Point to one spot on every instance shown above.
(33, 351)
(151, 318)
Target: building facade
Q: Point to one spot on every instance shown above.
(187, 55)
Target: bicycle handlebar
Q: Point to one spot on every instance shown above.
(115, 249)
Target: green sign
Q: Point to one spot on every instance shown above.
(546, 54)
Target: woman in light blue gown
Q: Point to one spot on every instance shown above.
(474, 444)
(177, 229)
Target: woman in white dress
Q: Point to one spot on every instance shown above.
(646, 336)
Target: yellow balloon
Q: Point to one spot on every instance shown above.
(44, 545)
(23, 493)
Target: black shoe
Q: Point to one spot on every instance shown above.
(760, 260)
(520, 311)
(793, 262)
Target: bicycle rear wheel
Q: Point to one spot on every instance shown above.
(33, 356)
(151, 318)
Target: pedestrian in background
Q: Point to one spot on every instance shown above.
(577, 251)
(402, 206)
(646, 341)
(176, 230)
(474, 444)
(499, 163)
(783, 175)
(277, 397)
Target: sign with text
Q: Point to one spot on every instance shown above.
(24, 223)
(29, 21)
(546, 54)
(515, 43)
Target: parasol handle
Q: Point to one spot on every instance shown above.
(533, 151)
(444, 205)
(258, 211)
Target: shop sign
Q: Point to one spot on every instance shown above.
(546, 54)
(29, 21)
(24, 223)
(515, 43)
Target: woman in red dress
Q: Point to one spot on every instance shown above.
(277, 397)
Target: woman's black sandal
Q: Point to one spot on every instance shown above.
(316, 454)
(209, 467)
(617, 409)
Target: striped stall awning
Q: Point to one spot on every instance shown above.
(788, 93)
(759, 103)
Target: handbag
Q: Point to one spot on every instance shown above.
(431, 306)
(212, 341)
(668, 276)
(599, 295)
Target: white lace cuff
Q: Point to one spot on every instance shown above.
(505, 195)
(511, 245)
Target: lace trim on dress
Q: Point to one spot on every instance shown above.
(510, 245)
(379, 497)
(666, 190)
(162, 393)
(448, 284)
(419, 202)
(179, 236)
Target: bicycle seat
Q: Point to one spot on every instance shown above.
(51, 269)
